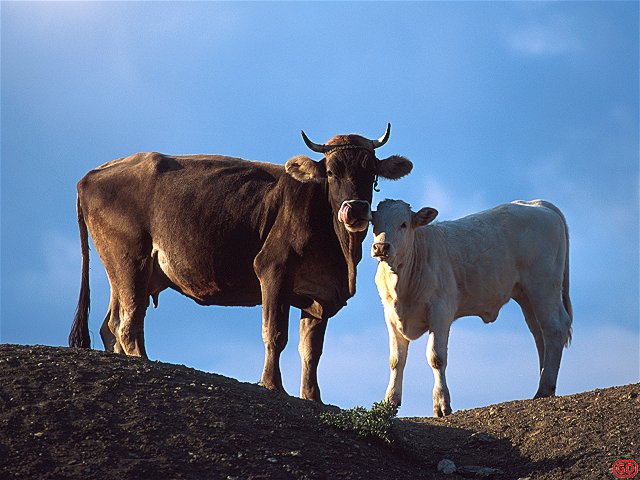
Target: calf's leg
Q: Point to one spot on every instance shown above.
(534, 327)
(398, 349)
(312, 331)
(554, 323)
(437, 357)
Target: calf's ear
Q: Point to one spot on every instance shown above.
(303, 169)
(394, 167)
(424, 216)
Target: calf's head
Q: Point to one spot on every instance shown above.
(394, 224)
(350, 169)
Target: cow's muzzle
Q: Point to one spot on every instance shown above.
(355, 214)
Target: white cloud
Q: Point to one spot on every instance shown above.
(602, 213)
(51, 18)
(52, 277)
(57, 272)
(451, 204)
(552, 38)
(600, 356)
(354, 368)
(40, 295)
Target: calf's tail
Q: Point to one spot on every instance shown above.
(566, 301)
(79, 335)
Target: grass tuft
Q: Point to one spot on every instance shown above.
(373, 424)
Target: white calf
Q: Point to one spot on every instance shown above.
(428, 277)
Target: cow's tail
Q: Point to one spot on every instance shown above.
(79, 335)
(566, 300)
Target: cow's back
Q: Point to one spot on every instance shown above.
(204, 218)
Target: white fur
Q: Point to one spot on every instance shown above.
(437, 273)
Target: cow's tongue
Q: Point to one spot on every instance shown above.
(342, 214)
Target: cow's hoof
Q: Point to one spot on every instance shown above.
(544, 394)
(311, 394)
(273, 387)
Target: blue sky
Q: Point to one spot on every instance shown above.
(492, 102)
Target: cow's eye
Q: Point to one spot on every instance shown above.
(404, 225)
(329, 173)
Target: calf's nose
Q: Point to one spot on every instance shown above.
(380, 249)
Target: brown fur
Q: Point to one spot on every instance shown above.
(225, 231)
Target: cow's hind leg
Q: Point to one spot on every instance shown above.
(131, 329)
(555, 324)
(131, 289)
(312, 332)
(110, 325)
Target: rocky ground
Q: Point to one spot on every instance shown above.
(86, 414)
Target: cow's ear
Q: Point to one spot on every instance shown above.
(394, 167)
(303, 169)
(424, 216)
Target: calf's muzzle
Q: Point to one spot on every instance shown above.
(380, 250)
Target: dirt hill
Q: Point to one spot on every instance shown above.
(87, 414)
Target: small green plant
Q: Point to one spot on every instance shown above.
(374, 424)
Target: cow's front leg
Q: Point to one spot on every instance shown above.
(398, 349)
(312, 332)
(275, 332)
(437, 357)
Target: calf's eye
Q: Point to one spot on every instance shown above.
(329, 173)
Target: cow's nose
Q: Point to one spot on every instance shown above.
(355, 211)
(360, 208)
(380, 249)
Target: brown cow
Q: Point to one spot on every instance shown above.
(225, 231)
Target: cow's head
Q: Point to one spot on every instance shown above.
(350, 168)
(394, 224)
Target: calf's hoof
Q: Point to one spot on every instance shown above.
(394, 400)
(441, 402)
(441, 411)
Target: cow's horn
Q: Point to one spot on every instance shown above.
(313, 146)
(383, 139)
